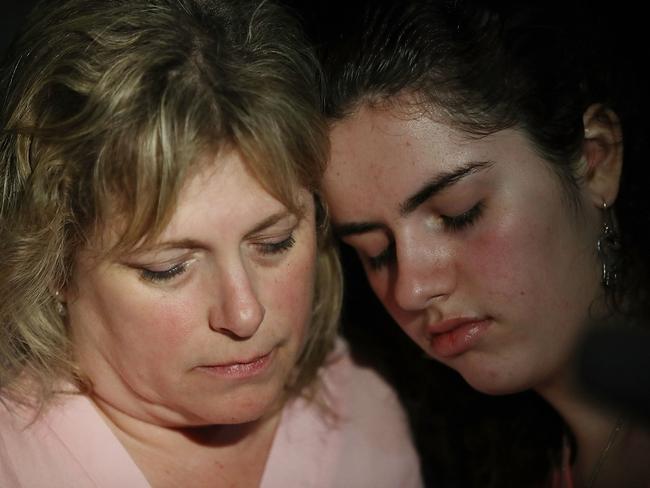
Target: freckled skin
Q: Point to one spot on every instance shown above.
(526, 263)
(140, 342)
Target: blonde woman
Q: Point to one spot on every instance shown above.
(169, 305)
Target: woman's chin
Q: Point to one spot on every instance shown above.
(242, 411)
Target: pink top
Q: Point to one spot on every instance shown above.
(369, 445)
(562, 476)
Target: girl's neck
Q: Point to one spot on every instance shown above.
(607, 447)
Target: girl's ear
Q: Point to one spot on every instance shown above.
(602, 151)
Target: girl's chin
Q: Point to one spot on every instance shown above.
(494, 384)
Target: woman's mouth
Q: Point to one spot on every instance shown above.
(241, 369)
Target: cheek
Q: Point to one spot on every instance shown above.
(380, 284)
(517, 262)
(168, 324)
(292, 290)
(148, 326)
(494, 256)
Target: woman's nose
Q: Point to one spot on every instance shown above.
(237, 311)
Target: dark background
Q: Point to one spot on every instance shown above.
(13, 13)
(452, 423)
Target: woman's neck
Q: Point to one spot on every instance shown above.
(215, 455)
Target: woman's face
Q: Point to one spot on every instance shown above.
(471, 244)
(205, 326)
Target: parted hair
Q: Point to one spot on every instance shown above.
(107, 108)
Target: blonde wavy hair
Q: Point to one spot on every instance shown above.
(108, 106)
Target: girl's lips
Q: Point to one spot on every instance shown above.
(458, 337)
(241, 370)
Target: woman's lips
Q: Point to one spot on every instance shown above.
(241, 370)
(457, 336)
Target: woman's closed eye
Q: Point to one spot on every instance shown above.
(157, 276)
(271, 248)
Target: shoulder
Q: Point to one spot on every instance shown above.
(363, 437)
(22, 432)
(33, 452)
(68, 444)
(353, 389)
(29, 450)
(11, 444)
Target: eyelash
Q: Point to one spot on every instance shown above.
(277, 247)
(464, 220)
(453, 224)
(386, 256)
(176, 270)
(166, 275)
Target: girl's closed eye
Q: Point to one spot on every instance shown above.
(465, 219)
(382, 259)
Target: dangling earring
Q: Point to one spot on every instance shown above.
(609, 246)
(60, 304)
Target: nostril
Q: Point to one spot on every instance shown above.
(238, 314)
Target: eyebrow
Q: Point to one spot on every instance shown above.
(354, 228)
(164, 246)
(270, 221)
(429, 189)
(194, 244)
(438, 183)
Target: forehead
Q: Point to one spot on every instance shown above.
(384, 151)
(218, 192)
(381, 156)
(222, 194)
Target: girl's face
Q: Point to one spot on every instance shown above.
(471, 244)
(205, 326)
